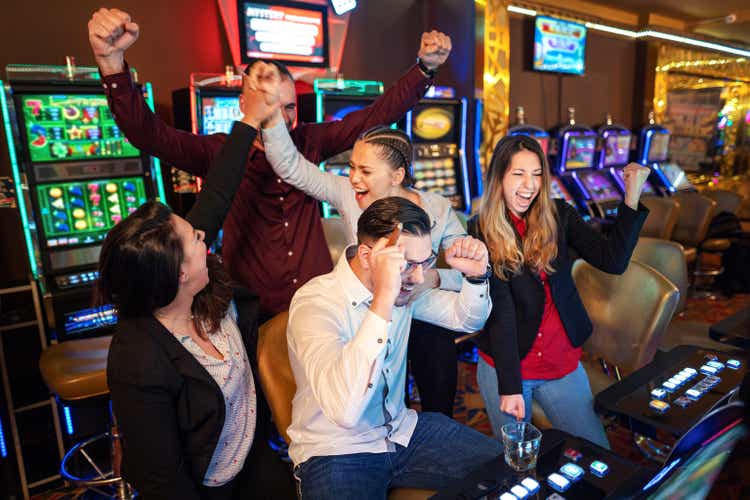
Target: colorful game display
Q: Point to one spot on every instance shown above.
(616, 150)
(580, 152)
(219, 113)
(72, 127)
(659, 147)
(557, 190)
(437, 176)
(559, 45)
(78, 213)
(599, 186)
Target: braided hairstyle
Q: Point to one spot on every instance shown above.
(393, 146)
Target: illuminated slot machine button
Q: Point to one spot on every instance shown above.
(680, 379)
(659, 406)
(658, 393)
(519, 491)
(669, 386)
(690, 372)
(558, 482)
(716, 364)
(682, 402)
(531, 485)
(75, 279)
(599, 469)
(572, 471)
(573, 454)
(711, 357)
(708, 370)
(734, 364)
(712, 381)
(507, 496)
(693, 394)
(675, 381)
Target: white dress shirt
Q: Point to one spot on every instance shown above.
(350, 364)
(298, 171)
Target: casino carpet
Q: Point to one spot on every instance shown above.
(699, 314)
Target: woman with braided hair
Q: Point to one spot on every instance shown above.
(380, 167)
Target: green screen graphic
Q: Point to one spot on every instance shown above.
(72, 127)
(78, 213)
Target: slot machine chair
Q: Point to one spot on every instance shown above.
(278, 384)
(696, 212)
(668, 258)
(662, 217)
(336, 237)
(726, 201)
(630, 313)
(76, 373)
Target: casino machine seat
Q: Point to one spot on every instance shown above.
(668, 258)
(662, 217)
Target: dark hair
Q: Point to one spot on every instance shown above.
(379, 219)
(393, 146)
(279, 65)
(139, 270)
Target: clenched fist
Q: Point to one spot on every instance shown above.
(111, 33)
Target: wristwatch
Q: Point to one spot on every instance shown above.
(430, 73)
(482, 278)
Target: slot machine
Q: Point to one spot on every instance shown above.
(594, 191)
(332, 100)
(80, 177)
(437, 128)
(614, 153)
(653, 152)
(209, 105)
(557, 188)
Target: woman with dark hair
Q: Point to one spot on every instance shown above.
(532, 343)
(380, 167)
(181, 367)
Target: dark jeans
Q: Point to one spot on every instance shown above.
(440, 451)
(434, 364)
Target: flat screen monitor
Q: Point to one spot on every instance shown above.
(599, 186)
(218, 113)
(676, 176)
(291, 32)
(658, 148)
(559, 46)
(579, 152)
(616, 150)
(82, 212)
(434, 123)
(67, 127)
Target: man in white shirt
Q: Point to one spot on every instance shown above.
(352, 436)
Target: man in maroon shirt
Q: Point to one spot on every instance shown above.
(273, 238)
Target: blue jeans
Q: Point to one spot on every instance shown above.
(440, 451)
(566, 401)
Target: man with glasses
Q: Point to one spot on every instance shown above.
(352, 436)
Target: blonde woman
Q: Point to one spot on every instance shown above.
(532, 344)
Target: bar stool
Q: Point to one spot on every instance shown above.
(76, 373)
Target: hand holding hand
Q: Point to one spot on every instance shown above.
(260, 94)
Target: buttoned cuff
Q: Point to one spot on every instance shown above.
(118, 84)
(372, 336)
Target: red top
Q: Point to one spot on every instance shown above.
(552, 355)
(273, 239)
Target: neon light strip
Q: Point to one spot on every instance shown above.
(3, 448)
(156, 170)
(722, 431)
(319, 119)
(478, 146)
(17, 181)
(648, 33)
(68, 420)
(462, 159)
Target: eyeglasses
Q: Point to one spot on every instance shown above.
(426, 264)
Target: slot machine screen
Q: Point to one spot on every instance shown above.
(617, 150)
(676, 176)
(557, 190)
(336, 110)
(579, 152)
(61, 127)
(658, 149)
(292, 32)
(437, 175)
(559, 46)
(434, 124)
(218, 113)
(81, 213)
(599, 186)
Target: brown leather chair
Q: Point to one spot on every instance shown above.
(336, 236)
(726, 201)
(696, 212)
(278, 384)
(662, 217)
(668, 258)
(76, 373)
(630, 313)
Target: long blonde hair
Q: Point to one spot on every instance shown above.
(539, 247)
